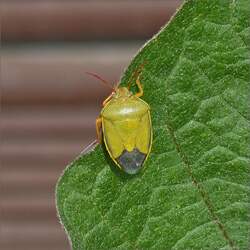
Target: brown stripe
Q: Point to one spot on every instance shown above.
(76, 20)
(57, 76)
(34, 234)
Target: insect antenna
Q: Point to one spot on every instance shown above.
(101, 79)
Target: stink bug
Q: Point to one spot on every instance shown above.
(126, 128)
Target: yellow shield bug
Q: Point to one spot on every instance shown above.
(126, 127)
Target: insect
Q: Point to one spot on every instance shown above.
(125, 126)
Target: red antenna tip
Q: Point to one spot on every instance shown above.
(101, 79)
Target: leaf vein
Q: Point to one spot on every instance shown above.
(201, 190)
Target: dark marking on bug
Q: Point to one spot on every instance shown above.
(131, 162)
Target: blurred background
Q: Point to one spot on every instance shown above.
(49, 105)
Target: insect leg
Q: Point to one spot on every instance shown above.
(98, 124)
(107, 100)
(136, 74)
(139, 85)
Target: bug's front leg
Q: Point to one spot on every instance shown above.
(98, 125)
(107, 100)
(139, 85)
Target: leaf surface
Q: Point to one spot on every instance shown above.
(194, 192)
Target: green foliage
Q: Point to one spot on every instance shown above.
(193, 193)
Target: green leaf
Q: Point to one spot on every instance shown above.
(193, 193)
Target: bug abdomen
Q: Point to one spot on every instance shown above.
(128, 141)
(131, 161)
